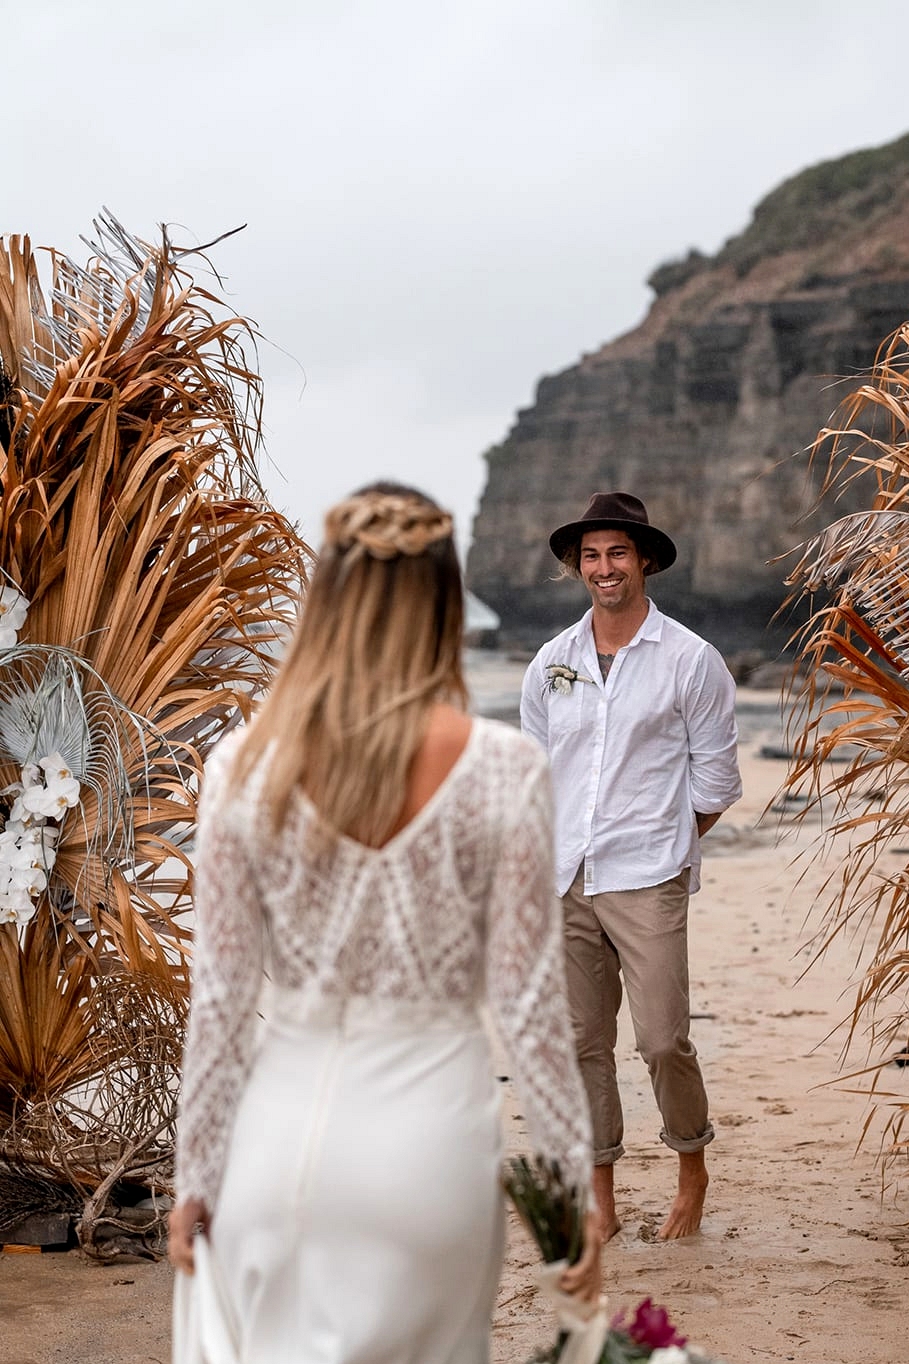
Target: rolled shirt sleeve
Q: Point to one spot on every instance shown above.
(708, 705)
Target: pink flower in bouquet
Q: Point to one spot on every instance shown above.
(650, 1327)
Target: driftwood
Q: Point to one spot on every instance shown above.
(105, 1148)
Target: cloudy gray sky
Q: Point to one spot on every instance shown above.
(444, 201)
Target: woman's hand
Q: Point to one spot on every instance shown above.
(186, 1219)
(583, 1278)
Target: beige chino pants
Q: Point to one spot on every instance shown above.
(640, 936)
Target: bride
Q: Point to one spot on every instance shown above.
(384, 860)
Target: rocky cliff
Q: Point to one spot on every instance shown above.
(704, 410)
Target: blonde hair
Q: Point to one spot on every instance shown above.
(378, 641)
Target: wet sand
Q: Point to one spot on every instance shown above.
(799, 1257)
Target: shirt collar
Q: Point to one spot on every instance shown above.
(651, 627)
(581, 630)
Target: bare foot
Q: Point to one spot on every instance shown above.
(685, 1214)
(604, 1192)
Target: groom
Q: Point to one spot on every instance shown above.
(637, 715)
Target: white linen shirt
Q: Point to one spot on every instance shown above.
(635, 756)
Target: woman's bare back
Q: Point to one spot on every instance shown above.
(447, 732)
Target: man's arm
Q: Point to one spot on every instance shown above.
(534, 716)
(705, 822)
(709, 709)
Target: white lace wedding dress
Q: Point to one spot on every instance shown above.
(349, 1145)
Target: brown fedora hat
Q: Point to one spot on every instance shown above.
(616, 511)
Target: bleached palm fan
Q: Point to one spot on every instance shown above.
(852, 693)
(159, 584)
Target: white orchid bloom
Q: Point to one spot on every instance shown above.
(60, 781)
(23, 854)
(13, 607)
(18, 814)
(55, 768)
(35, 850)
(24, 910)
(26, 859)
(670, 1354)
(13, 611)
(27, 842)
(43, 840)
(62, 798)
(38, 800)
(48, 802)
(16, 907)
(18, 827)
(36, 842)
(30, 879)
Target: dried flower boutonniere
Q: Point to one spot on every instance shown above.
(561, 678)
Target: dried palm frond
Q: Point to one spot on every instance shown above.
(160, 584)
(132, 518)
(116, 1115)
(46, 1045)
(866, 556)
(51, 701)
(108, 1132)
(850, 698)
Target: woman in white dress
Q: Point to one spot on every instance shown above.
(384, 862)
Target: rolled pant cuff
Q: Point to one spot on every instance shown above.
(608, 1155)
(686, 1146)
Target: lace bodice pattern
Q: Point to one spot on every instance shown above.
(459, 906)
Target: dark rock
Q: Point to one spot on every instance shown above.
(677, 272)
(705, 412)
(44, 1229)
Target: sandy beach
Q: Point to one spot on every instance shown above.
(800, 1258)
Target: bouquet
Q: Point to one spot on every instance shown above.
(553, 1213)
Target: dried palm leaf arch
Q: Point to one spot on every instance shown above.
(850, 696)
(160, 584)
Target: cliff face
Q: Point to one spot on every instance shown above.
(704, 409)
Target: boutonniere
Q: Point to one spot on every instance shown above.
(561, 678)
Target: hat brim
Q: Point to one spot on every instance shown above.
(659, 546)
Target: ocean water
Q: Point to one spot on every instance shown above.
(494, 680)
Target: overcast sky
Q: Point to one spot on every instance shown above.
(444, 200)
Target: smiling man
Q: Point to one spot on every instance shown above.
(637, 715)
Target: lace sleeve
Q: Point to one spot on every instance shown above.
(526, 983)
(227, 978)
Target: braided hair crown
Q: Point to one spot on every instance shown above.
(385, 525)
